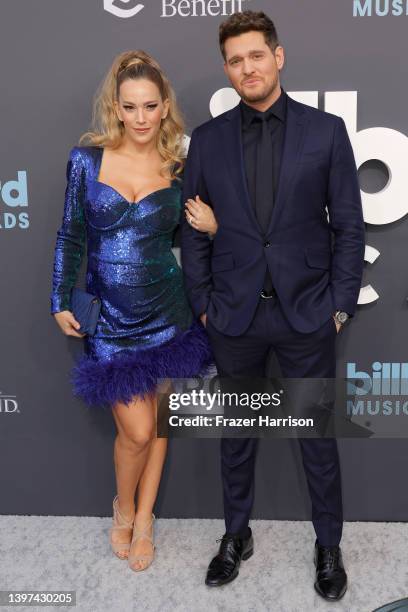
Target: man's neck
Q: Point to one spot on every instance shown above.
(263, 105)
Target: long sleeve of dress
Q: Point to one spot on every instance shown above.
(71, 237)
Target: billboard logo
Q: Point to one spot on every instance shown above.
(8, 404)
(381, 392)
(14, 194)
(384, 379)
(380, 8)
(123, 8)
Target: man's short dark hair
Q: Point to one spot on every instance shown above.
(248, 21)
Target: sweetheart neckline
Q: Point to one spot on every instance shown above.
(128, 201)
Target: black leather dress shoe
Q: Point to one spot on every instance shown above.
(331, 579)
(225, 566)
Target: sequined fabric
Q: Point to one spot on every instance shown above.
(131, 268)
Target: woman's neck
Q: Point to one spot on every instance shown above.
(145, 151)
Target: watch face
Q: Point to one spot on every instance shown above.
(342, 317)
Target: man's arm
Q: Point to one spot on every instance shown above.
(347, 223)
(195, 245)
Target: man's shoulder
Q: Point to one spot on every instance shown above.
(212, 125)
(314, 114)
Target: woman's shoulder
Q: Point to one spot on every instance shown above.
(85, 157)
(83, 153)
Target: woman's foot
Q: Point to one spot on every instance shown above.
(142, 548)
(121, 531)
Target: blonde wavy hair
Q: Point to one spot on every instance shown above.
(107, 130)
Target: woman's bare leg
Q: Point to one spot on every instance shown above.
(147, 491)
(146, 497)
(136, 426)
(150, 479)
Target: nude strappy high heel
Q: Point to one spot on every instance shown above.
(138, 534)
(119, 523)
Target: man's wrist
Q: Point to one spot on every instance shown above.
(341, 316)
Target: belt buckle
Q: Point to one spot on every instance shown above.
(267, 297)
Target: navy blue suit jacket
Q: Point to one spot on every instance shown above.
(315, 263)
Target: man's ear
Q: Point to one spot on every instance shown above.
(280, 56)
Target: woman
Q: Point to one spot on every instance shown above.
(123, 200)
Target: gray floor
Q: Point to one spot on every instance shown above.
(72, 553)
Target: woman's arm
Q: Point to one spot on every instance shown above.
(70, 243)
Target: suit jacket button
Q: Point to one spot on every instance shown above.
(267, 244)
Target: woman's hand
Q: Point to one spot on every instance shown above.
(68, 323)
(200, 216)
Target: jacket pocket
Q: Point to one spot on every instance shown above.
(223, 261)
(312, 157)
(318, 258)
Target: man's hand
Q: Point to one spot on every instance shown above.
(338, 325)
(203, 319)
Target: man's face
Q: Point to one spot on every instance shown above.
(252, 67)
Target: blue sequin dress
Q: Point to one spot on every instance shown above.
(146, 329)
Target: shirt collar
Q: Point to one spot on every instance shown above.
(277, 109)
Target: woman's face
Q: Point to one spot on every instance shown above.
(141, 109)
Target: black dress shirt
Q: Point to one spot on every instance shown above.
(251, 131)
(251, 134)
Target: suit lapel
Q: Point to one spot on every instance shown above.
(231, 138)
(295, 132)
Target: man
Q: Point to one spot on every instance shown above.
(271, 278)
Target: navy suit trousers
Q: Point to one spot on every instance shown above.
(300, 355)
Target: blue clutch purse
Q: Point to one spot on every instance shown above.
(86, 308)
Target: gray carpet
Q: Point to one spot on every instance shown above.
(72, 553)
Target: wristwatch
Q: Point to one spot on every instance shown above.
(341, 317)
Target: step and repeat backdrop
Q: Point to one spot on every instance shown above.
(345, 57)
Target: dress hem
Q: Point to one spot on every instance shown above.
(135, 373)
